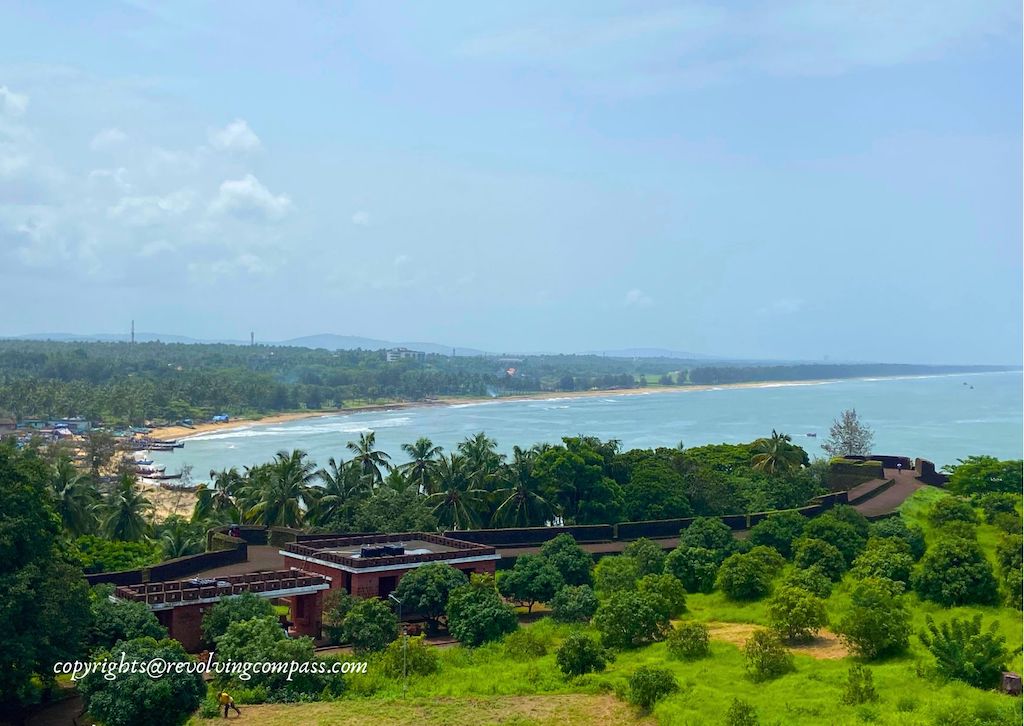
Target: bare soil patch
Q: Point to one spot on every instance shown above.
(826, 646)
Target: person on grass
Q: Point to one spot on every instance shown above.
(227, 702)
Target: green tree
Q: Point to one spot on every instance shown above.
(812, 579)
(614, 574)
(629, 619)
(114, 620)
(849, 436)
(571, 560)
(216, 501)
(766, 656)
(951, 509)
(837, 533)
(649, 684)
(579, 654)
(574, 603)
(234, 609)
(897, 528)
(876, 624)
(689, 640)
(665, 592)
(777, 454)
(178, 537)
(521, 503)
(648, 556)
(422, 454)
(956, 572)
(742, 577)
(887, 558)
(709, 533)
(455, 499)
(574, 480)
(125, 511)
(409, 656)
(820, 554)
(370, 461)
(426, 589)
(795, 614)
(779, 531)
(342, 488)
(655, 490)
(136, 698)
(767, 558)
(980, 474)
(284, 490)
(966, 652)
(76, 498)
(369, 626)
(695, 567)
(741, 713)
(337, 603)
(860, 686)
(100, 447)
(533, 579)
(477, 614)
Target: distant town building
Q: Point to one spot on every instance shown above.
(7, 425)
(396, 354)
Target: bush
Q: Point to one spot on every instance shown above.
(995, 503)
(119, 620)
(779, 531)
(580, 654)
(574, 603)
(876, 624)
(951, 509)
(234, 609)
(689, 640)
(741, 577)
(964, 652)
(369, 626)
(523, 643)
(337, 603)
(956, 572)
(812, 579)
(850, 515)
(766, 657)
(477, 614)
(629, 620)
(615, 574)
(709, 533)
(695, 567)
(768, 558)
(796, 614)
(99, 554)
(648, 556)
(741, 713)
(980, 474)
(1009, 523)
(885, 558)
(1009, 561)
(819, 553)
(860, 686)
(409, 655)
(897, 528)
(649, 684)
(532, 579)
(425, 590)
(841, 535)
(665, 592)
(571, 560)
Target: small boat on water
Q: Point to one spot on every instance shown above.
(164, 477)
(144, 462)
(812, 435)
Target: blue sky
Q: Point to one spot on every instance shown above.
(785, 179)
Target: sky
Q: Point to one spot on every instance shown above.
(794, 180)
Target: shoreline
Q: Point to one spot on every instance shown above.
(182, 433)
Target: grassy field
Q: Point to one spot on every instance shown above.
(489, 686)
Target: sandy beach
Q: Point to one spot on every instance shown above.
(184, 432)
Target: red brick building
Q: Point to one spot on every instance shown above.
(371, 565)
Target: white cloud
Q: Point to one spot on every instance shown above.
(108, 138)
(637, 299)
(11, 103)
(247, 198)
(236, 136)
(361, 219)
(146, 210)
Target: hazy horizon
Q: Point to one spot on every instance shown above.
(795, 182)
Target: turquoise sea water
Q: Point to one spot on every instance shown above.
(941, 418)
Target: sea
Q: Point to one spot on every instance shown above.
(940, 418)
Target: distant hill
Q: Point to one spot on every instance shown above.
(651, 353)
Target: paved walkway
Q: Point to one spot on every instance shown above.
(889, 501)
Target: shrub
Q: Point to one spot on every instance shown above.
(956, 572)
(1009, 560)
(741, 713)
(649, 684)
(850, 515)
(779, 531)
(615, 574)
(337, 603)
(885, 558)
(532, 579)
(766, 656)
(897, 528)
(425, 590)
(571, 560)
(795, 614)
(876, 624)
(369, 626)
(695, 567)
(119, 620)
(741, 577)
(860, 686)
(768, 558)
(573, 603)
(525, 644)
(477, 614)
(838, 533)
(812, 579)
(995, 503)
(710, 533)
(666, 594)
(689, 640)
(964, 652)
(951, 509)
(629, 620)
(263, 640)
(234, 609)
(819, 553)
(648, 556)
(410, 655)
(1009, 523)
(980, 474)
(580, 654)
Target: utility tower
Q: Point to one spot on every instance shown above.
(133, 332)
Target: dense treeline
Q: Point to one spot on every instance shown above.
(123, 383)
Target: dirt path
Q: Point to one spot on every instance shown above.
(826, 646)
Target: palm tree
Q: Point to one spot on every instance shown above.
(126, 509)
(521, 504)
(180, 538)
(454, 498)
(399, 480)
(76, 497)
(342, 483)
(422, 455)
(776, 454)
(284, 490)
(217, 501)
(370, 460)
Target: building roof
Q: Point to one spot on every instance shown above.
(346, 551)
